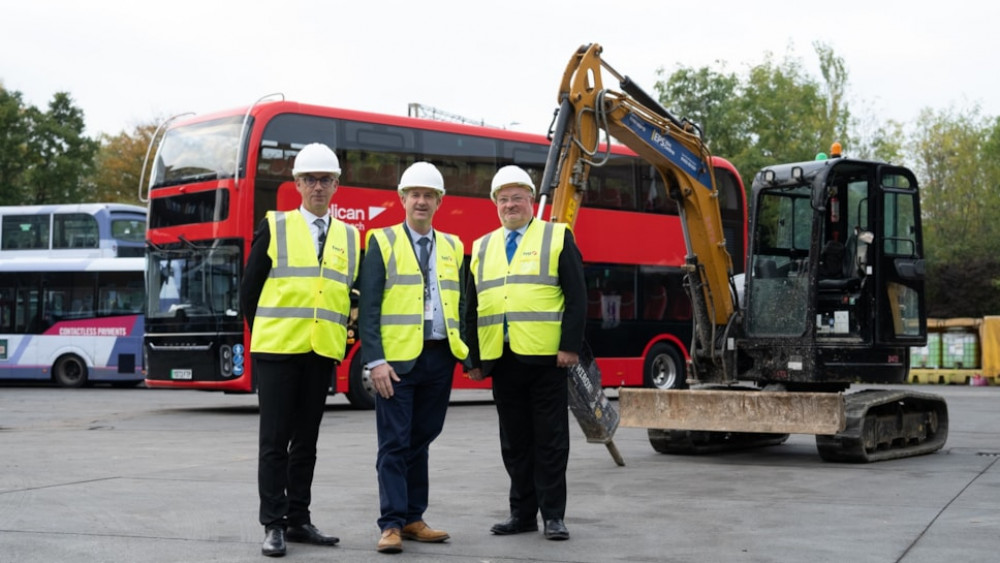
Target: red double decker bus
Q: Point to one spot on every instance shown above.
(214, 177)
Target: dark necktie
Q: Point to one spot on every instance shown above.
(425, 254)
(425, 264)
(511, 245)
(321, 225)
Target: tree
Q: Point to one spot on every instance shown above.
(43, 155)
(957, 154)
(14, 134)
(119, 165)
(706, 98)
(776, 113)
(62, 155)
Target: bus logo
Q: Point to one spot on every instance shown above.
(355, 214)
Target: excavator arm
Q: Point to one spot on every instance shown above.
(674, 148)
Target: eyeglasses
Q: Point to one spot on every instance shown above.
(516, 200)
(325, 181)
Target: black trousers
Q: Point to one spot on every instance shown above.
(532, 405)
(292, 392)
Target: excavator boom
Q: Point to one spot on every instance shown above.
(680, 157)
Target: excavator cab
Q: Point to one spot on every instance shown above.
(834, 287)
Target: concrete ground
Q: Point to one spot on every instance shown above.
(139, 475)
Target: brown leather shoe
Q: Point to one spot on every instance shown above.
(390, 542)
(420, 531)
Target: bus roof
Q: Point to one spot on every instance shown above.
(72, 265)
(70, 208)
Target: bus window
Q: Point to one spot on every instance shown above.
(74, 230)
(26, 232)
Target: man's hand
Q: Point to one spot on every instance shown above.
(476, 374)
(567, 359)
(382, 377)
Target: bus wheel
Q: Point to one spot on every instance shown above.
(360, 390)
(70, 371)
(664, 368)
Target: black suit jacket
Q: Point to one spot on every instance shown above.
(574, 287)
(371, 283)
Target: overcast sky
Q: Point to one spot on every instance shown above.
(131, 62)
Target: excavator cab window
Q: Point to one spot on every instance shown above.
(782, 235)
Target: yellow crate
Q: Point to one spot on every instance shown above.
(950, 377)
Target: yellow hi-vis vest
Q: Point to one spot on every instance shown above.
(304, 305)
(526, 291)
(402, 318)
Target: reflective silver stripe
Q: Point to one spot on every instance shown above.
(451, 240)
(452, 324)
(337, 276)
(294, 271)
(331, 316)
(449, 284)
(352, 252)
(301, 313)
(533, 279)
(488, 320)
(402, 319)
(392, 275)
(280, 240)
(480, 282)
(543, 266)
(489, 284)
(534, 316)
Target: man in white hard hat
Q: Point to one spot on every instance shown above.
(410, 314)
(525, 320)
(296, 298)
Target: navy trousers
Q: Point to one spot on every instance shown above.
(407, 423)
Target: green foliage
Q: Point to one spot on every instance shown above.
(43, 155)
(776, 113)
(958, 160)
(14, 133)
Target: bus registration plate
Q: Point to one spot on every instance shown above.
(180, 374)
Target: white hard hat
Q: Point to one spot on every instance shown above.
(422, 175)
(511, 175)
(316, 157)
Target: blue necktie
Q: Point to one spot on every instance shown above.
(511, 248)
(511, 245)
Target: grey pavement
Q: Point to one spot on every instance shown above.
(140, 475)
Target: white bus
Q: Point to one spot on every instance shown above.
(72, 320)
(80, 230)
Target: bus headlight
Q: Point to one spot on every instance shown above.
(226, 360)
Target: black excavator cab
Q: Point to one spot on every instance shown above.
(834, 289)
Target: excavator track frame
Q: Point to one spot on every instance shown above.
(887, 424)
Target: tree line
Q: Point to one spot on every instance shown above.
(774, 111)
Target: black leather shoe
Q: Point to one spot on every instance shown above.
(274, 543)
(514, 525)
(307, 533)
(556, 530)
